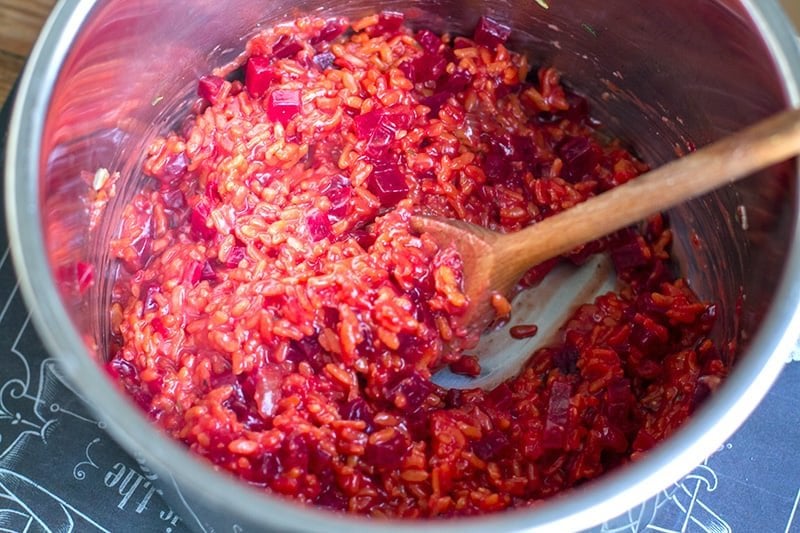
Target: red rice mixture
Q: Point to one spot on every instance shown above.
(281, 319)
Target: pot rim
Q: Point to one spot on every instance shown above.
(609, 496)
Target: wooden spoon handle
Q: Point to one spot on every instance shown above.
(767, 142)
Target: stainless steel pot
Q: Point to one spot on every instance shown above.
(665, 75)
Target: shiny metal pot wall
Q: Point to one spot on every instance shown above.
(665, 75)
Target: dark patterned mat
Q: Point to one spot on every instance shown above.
(60, 472)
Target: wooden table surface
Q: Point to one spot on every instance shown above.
(21, 20)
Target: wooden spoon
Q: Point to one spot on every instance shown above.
(495, 262)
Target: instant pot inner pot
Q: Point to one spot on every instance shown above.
(664, 76)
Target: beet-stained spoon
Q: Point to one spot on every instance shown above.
(495, 262)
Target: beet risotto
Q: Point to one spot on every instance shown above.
(277, 314)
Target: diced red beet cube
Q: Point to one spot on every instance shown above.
(237, 86)
(208, 88)
(430, 67)
(462, 42)
(490, 33)
(388, 453)
(501, 396)
(555, 432)
(338, 191)
(199, 221)
(367, 123)
(259, 75)
(319, 227)
(427, 67)
(283, 104)
(307, 350)
(701, 394)
(407, 67)
(192, 272)
(143, 245)
(323, 60)
(389, 22)
(269, 466)
(497, 161)
(85, 275)
(236, 254)
(147, 291)
(523, 148)
(322, 461)
(429, 41)
(397, 119)
(154, 387)
(454, 398)
(378, 127)
(619, 400)
(411, 392)
(294, 453)
(188, 122)
(420, 294)
(435, 102)
(159, 327)
(631, 254)
(458, 81)
(364, 238)
(613, 439)
(330, 316)
(491, 446)
(643, 441)
(566, 359)
(387, 183)
(122, 368)
(578, 108)
(237, 401)
(212, 192)
(207, 273)
(358, 409)
(174, 167)
(378, 120)
(286, 47)
(332, 497)
(580, 156)
(197, 271)
(173, 198)
(332, 29)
